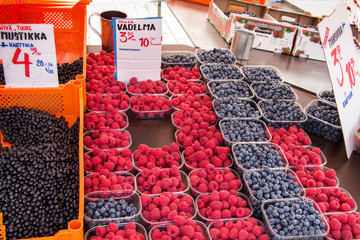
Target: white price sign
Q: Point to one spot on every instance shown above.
(344, 68)
(28, 55)
(137, 46)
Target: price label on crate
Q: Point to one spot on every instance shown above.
(28, 55)
(344, 67)
(137, 46)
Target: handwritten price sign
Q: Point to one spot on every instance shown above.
(137, 48)
(28, 55)
(344, 66)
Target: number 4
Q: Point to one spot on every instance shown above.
(26, 61)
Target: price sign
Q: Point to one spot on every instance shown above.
(28, 55)
(137, 45)
(344, 67)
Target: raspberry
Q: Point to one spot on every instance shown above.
(179, 220)
(101, 231)
(187, 231)
(344, 207)
(172, 230)
(330, 174)
(319, 175)
(214, 233)
(224, 233)
(346, 235)
(256, 230)
(243, 234)
(351, 202)
(334, 205)
(112, 227)
(335, 224)
(356, 229)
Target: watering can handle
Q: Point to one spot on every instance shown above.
(92, 28)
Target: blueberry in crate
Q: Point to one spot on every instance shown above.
(229, 107)
(282, 114)
(258, 155)
(220, 71)
(261, 74)
(244, 130)
(323, 120)
(294, 219)
(274, 91)
(229, 88)
(178, 58)
(216, 55)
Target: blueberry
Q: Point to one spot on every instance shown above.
(273, 91)
(261, 74)
(228, 107)
(217, 55)
(323, 120)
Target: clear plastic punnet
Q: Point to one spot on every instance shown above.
(321, 128)
(255, 202)
(226, 86)
(275, 86)
(163, 94)
(326, 94)
(277, 150)
(309, 148)
(190, 168)
(207, 79)
(200, 51)
(253, 107)
(119, 198)
(190, 58)
(104, 115)
(151, 114)
(329, 210)
(162, 227)
(197, 82)
(308, 169)
(196, 193)
(327, 217)
(274, 235)
(136, 166)
(149, 224)
(90, 133)
(139, 229)
(279, 77)
(283, 124)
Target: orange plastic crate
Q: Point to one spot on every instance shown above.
(68, 18)
(66, 101)
(207, 2)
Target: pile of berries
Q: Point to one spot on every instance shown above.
(148, 86)
(105, 85)
(282, 111)
(186, 87)
(112, 160)
(181, 102)
(327, 95)
(189, 230)
(209, 179)
(107, 182)
(108, 103)
(243, 130)
(181, 73)
(261, 74)
(248, 228)
(221, 71)
(274, 91)
(227, 88)
(188, 117)
(217, 55)
(230, 107)
(165, 157)
(180, 60)
(289, 139)
(121, 209)
(102, 58)
(68, 71)
(294, 218)
(113, 120)
(311, 177)
(167, 207)
(344, 226)
(223, 205)
(156, 181)
(258, 155)
(106, 138)
(199, 157)
(113, 232)
(150, 106)
(331, 199)
(271, 184)
(209, 138)
(302, 155)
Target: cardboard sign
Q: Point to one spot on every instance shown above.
(28, 55)
(137, 44)
(344, 68)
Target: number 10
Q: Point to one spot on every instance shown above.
(144, 42)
